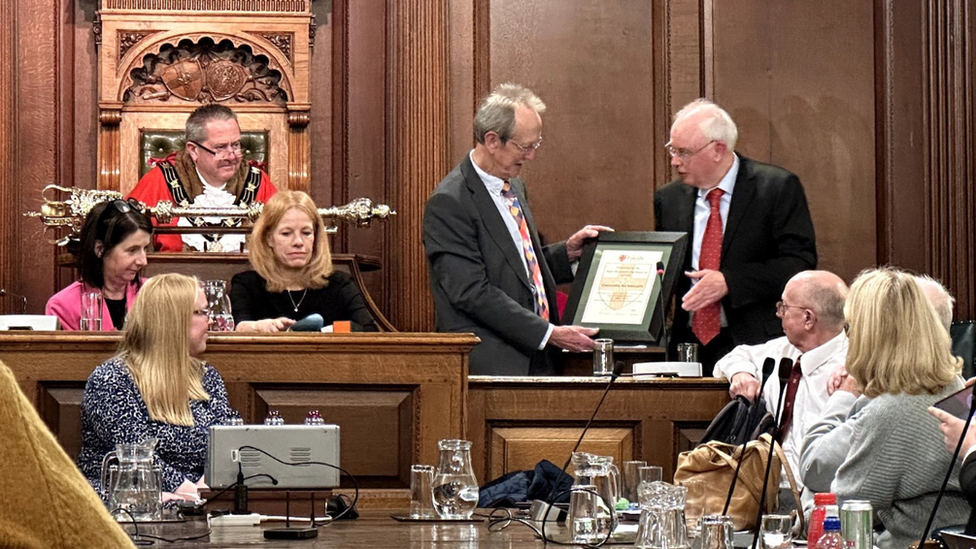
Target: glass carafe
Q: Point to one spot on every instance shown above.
(455, 488)
(133, 483)
(221, 319)
(600, 472)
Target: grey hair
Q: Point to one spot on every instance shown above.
(940, 298)
(497, 111)
(716, 124)
(196, 124)
(828, 301)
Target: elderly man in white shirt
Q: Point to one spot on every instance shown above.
(812, 313)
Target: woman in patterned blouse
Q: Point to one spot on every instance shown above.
(156, 386)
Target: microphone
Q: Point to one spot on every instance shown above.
(767, 370)
(540, 508)
(664, 313)
(952, 463)
(785, 369)
(5, 293)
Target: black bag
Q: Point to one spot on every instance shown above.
(740, 421)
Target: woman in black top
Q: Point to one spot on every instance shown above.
(293, 275)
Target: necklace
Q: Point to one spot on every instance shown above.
(299, 304)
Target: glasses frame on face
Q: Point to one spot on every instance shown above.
(527, 149)
(230, 149)
(782, 306)
(685, 154)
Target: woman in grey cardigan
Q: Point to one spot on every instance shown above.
(901, 360)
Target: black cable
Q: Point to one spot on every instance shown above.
(135, 536)
(545, 517)
(234, 485)
(355, 484)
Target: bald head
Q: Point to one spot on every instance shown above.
(813, 311)
(939, 297)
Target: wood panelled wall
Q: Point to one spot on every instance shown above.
(870, 102)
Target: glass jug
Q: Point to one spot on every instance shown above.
(455, 487)
(134, 483)
(221, 319)
(599, 471)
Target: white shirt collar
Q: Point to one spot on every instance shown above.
(205, 183)
(815, 358)
(727, 183)
(492, 183)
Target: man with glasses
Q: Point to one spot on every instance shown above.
(750, 230)
(208, 172)
(489, 272)
(812, 316)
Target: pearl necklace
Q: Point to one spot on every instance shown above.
(299, 304)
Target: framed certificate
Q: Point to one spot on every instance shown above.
(618, 287)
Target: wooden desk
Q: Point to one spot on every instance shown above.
(393, 395)
(516, 422)
(374, 530)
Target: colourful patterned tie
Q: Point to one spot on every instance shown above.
(705, 323)
(541, 303)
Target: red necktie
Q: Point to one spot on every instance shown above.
(787, 417)
(541, 303)
(705, 322)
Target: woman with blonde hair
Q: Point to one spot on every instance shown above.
(156, 386)
(293, 275)
(900, 359)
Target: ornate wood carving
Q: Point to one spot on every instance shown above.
(280, 40)
(210, 5)
(126, 39)
(205, 72)
(418, 134)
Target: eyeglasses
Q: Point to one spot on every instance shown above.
(201, 312)
(781, 307)
(685, 154)
(229, 149)
(526, 149)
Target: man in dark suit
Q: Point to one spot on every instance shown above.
(489, 272)
(750, 229)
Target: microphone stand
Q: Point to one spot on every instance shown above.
(952, 464)
(548, 502)
(5, 293)
(664, 312)
(785, 365)
(768, 364)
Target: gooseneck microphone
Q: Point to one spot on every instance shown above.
(955, 456)
(541, 508)
(664, 312)
(785, 369)
(5, 293)
(767, 370)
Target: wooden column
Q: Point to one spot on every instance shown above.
(8, 212)
(417, 155)
(925, 142)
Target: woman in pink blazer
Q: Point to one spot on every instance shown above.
(111, 256)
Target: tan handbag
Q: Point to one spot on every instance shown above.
(715, 463)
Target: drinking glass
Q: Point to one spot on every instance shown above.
(603, 357)
(91, 311)
(421, 486)
(777, 531)
(583, 514)
(631, 479)
(694, 504)
(649, 473)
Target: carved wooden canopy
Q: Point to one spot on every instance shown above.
(158, 60)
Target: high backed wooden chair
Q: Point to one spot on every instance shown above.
(158, 60)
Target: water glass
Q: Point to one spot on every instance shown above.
(421, 487)
(649, 473)
(91, 311)
(716, 532)
(584, 508)
(777, 531)
(631, 479)
(687, 352)
(603, 357)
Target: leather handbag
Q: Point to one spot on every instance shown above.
(715, 463)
